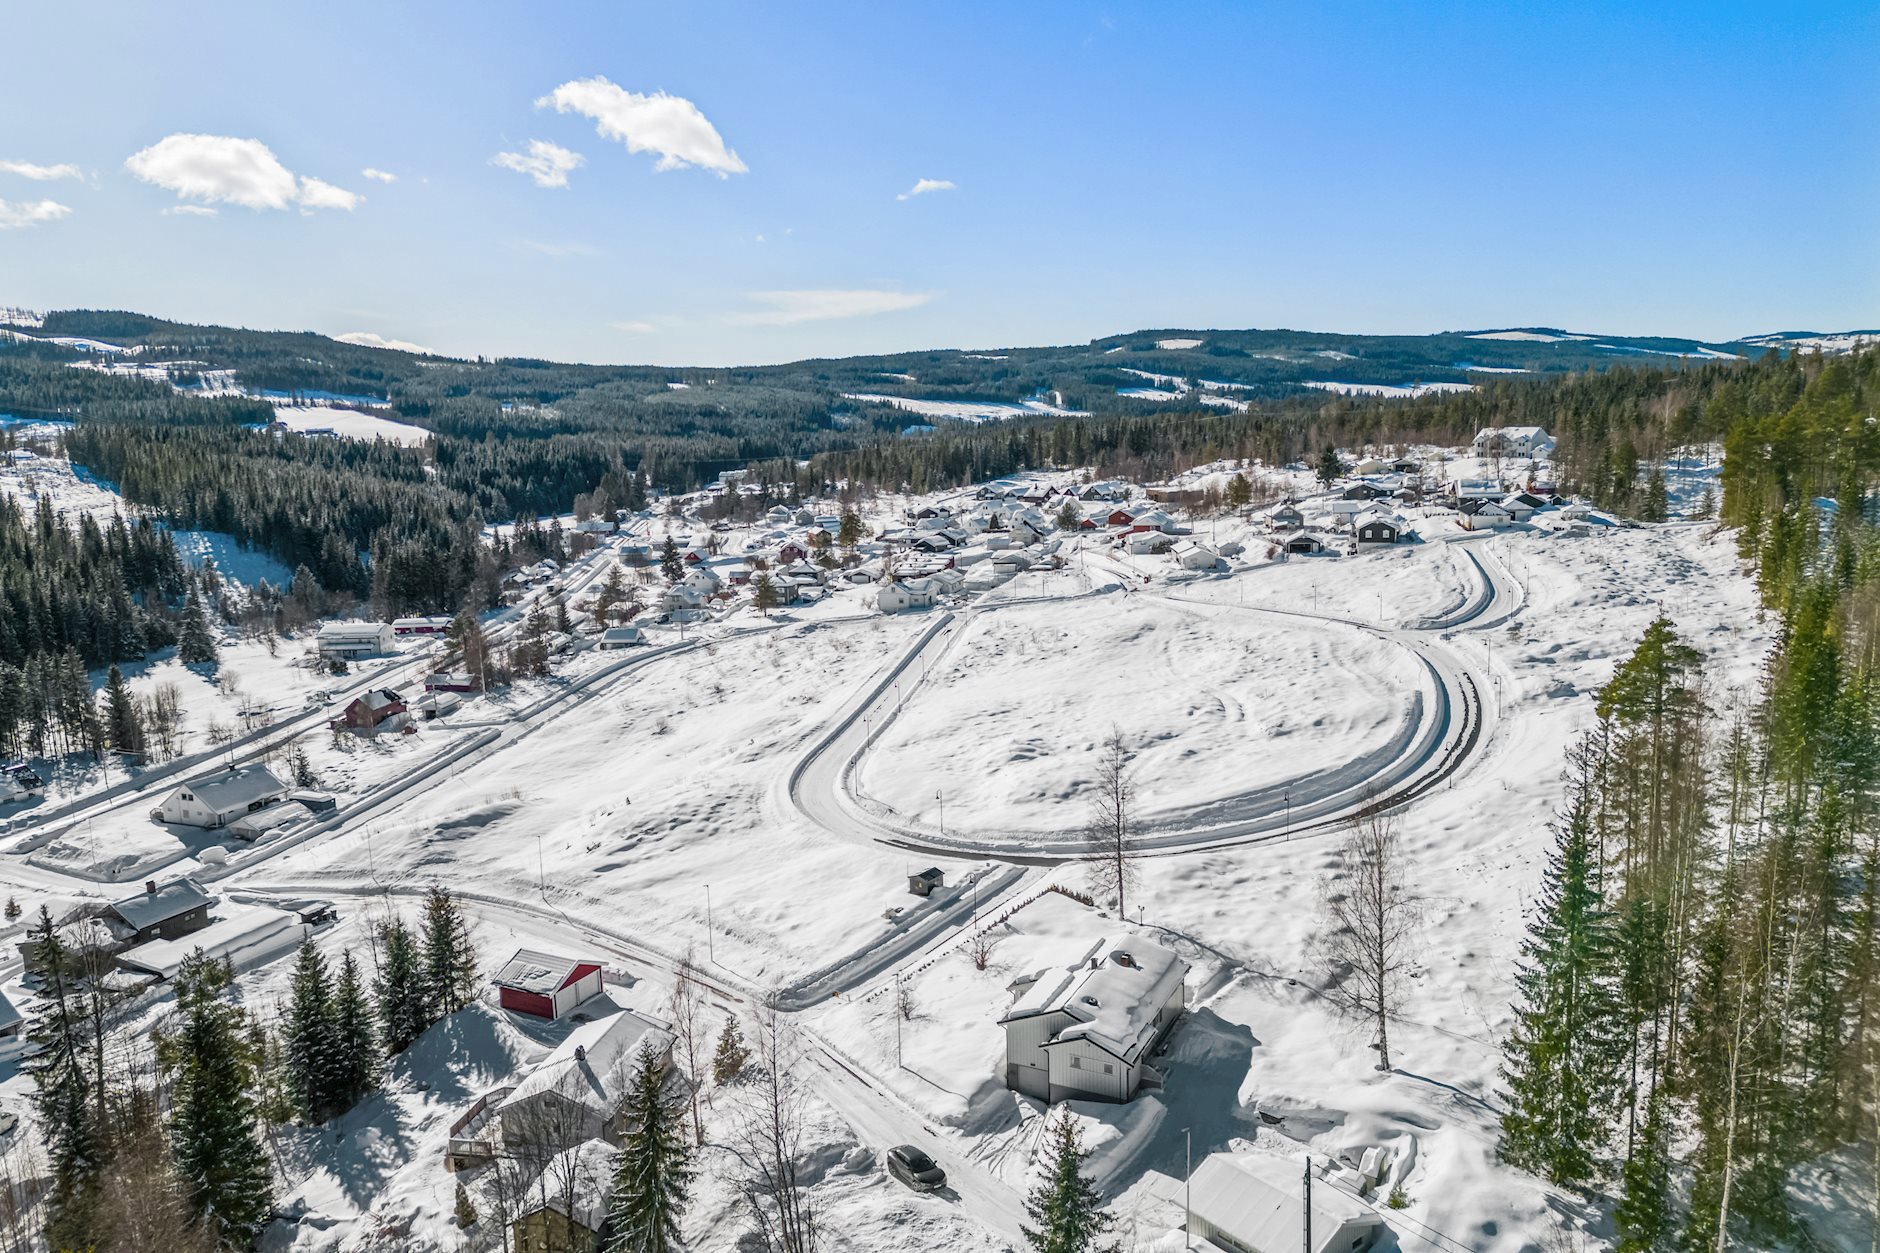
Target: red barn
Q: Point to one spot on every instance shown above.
(545, 985)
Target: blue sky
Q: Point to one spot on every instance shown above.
(1689, 169)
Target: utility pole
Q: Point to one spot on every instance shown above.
(1308, 1244)
(1188, 1174)
(895, 1009)
(709, 955)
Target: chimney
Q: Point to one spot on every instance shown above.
(580, 1052)
(150, 886)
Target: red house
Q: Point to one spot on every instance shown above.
(371, 713)
(546, 985)
(791, 552)
(1121, 517)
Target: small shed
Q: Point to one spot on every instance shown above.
(927, 881)
(546, 985)
(1257, 1201)
(1305, 544)
(434, 705)
(621, 637)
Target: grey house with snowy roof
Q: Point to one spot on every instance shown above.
(1087, 1033)
(215, 800)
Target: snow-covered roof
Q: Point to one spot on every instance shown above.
(542, 973)
(9, 1013)
(353, 630)
(1260, 1202)
(237, 787)
(1113, 1002)
(161, 902)
(621, 635)
(247, 932)
(594, 1064)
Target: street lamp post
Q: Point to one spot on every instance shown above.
(710, 956)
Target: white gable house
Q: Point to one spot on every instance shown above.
(1513, 441)
(577, 1091)
(356, 639)
(218, 799)
(1088, 1033)
(1256, 1203)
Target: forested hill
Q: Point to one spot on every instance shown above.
(170, 413)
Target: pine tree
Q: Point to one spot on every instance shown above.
(450, 959)
(731, 1054)
(1239, 491)
(669, 563)
(849, 529)
(356, 1045)
(764, 593)
(1065, 1205)
(123, 728)
(1657, 506)
(652, 1181)
(195, 642)
(62, 1094)
(1331, 469)
(310, 1049)
(1563, 1061)
(403, 1002)
(212, 1121)
(465, 1213)
(1643, 1215)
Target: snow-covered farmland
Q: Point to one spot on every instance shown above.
(348, 424)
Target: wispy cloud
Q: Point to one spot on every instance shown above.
(548, 164)
(378, 176)
(787, 308)
(925, 185)
(671, 126)
(17, 214)
(190, 211)
(221, 169)
(40, 173)
(369, 339)
(550, 249)
(634, 328)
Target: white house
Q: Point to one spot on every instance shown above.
(1201, 557)
(1477, 489)
(576, 1092)
(356, 639)
(622, 637)
(1513, 441)
(910, 594)
(1149, 542)
(1487, 518)
(215, 800)
(1087, 1033)
(1256, 1203)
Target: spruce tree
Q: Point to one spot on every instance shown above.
(764, 593)
(1331, 469)
(669, 563)
(731, 1054)
(62, 1095)
(1657, 506)
(652, 1181)
(1563, 1061)
(849, 529)
(1643, 1215)
(212, 1123)
(356, 1045)
(195, 641)
(403, 1002)
(450, 959)
(122, 726)
(308, 1045)
(1065, 1206)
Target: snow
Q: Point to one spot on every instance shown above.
(245, 935)
(1386, 389)
(1534, 337)
(1177, 345)
(1806, 341)
(1491, 369)
(968, 410)
(349, 424)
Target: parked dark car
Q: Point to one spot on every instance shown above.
(915, 1169)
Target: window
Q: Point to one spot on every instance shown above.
(1108, 1069)
(1077, 1063)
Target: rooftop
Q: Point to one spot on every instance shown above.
(1113, 998)
(1260, 1200)
(237, 787)
(594, 1064)
(160, 902)
(530, 971)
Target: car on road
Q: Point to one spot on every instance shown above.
(915, 1169)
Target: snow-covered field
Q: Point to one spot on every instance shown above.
(637, 813)
(349, 424)
(968, 410)
(1387, 389)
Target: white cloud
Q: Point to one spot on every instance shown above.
(548, 164)
(787, 308)
(548, 248)
(367, 339)
(378, 176)
(190, 210)
(220, 169)
(634, 328)
(925, 185)
(671, 126)
(40, 173)
(317, 193)
(15, 214)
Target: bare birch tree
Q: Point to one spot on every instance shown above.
(1370, 917)
(686, 1008)
(770, 1127)
(1112, 825)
